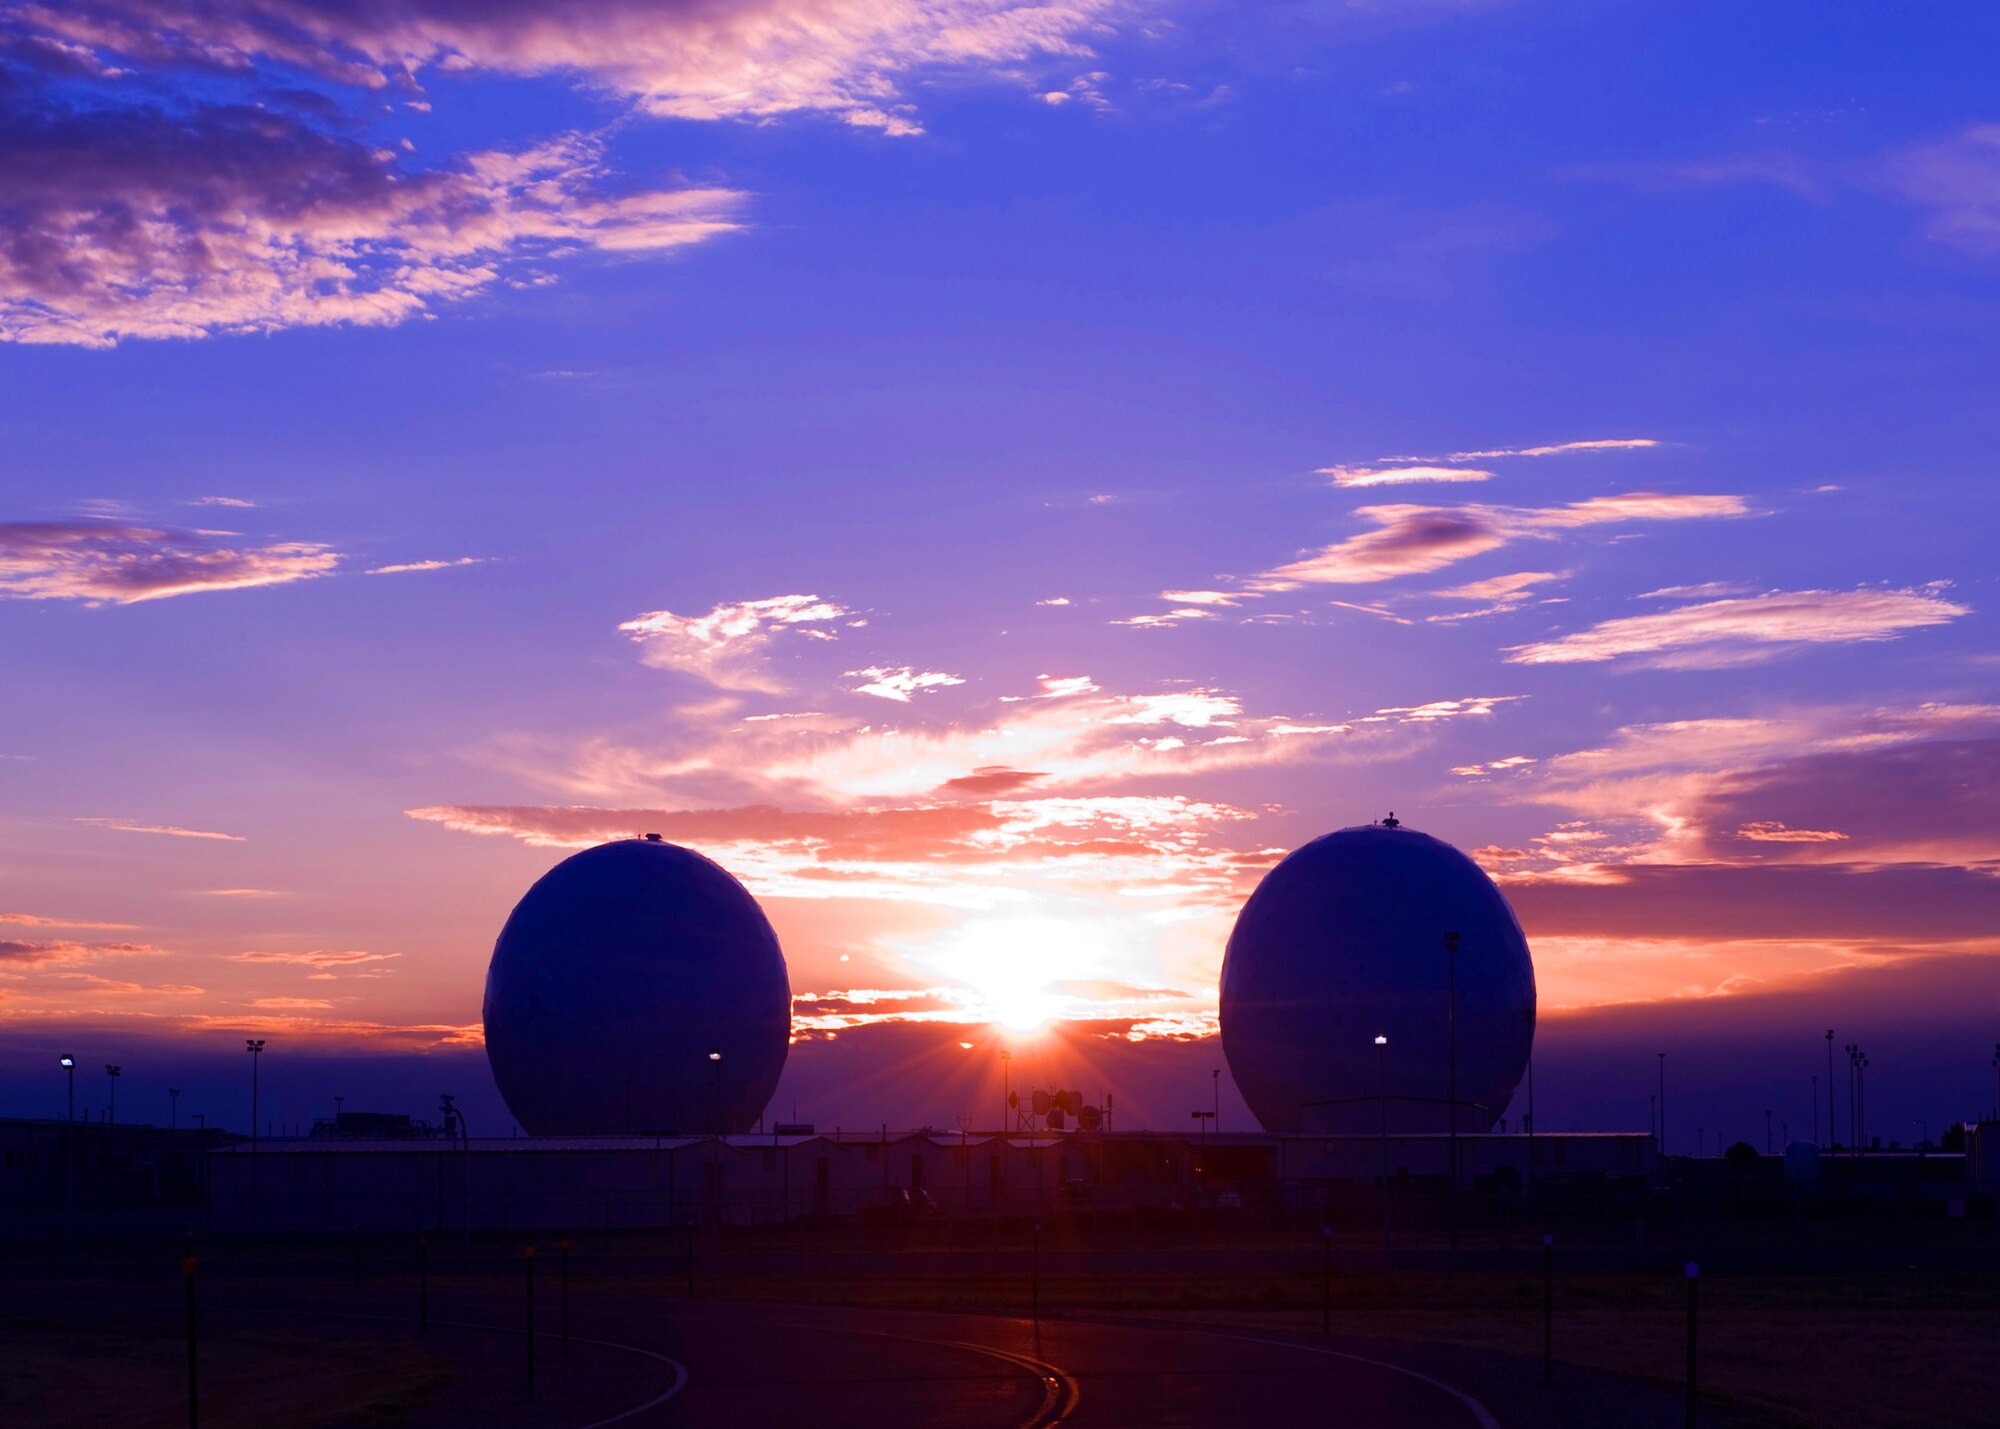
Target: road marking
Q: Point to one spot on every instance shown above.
(1478, 1411)
(1060, 1391)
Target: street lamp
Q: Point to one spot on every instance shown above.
(68, 1064)
(255, 1047)
(114, 1071)
(715, 1088)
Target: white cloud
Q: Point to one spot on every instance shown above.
(900, 683)
(1740, 631)
(1400, 475)
(728, 647)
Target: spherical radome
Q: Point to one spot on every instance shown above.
(615, 977)
(1344, 941)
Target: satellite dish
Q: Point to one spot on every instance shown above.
(1090, 1118)
(1041, 1103)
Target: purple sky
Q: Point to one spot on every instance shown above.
(994, 477)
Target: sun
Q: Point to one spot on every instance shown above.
(1016, 968)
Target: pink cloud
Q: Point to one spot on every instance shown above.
(139, 223)
(899, 683)
(126, 826)
(1414, 540)
(1739, 631)
(733, 59)
(1958, 181)
(113, 562)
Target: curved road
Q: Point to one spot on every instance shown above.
(829, 1368)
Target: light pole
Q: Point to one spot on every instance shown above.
(715, 1089)
(1451, 1037)
(173, 1108)
(1663, 1103)
(1528, 1016)
(68, 1064)
(1006, 1090)
(114, 1071)
(255, 1047)
(1382, 1152)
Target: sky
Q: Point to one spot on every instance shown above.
(994, 477)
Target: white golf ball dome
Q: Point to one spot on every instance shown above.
(1346, 941)
(637, 987)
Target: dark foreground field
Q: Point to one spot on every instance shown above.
(935, 1325)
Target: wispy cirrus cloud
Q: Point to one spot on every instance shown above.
(34, 920)
(1957, 182)
(729, 646)
(121, 563)
(128, 826)
(318, 959)
(1747, 629)
(1602, 444)
(432, 565)
(1401, 475)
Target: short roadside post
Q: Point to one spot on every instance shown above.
(1325, 1280)
(528, 1259)
(1548, 1308)
(194, 1403)
(1694, 1280)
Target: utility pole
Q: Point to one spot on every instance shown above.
(113, 1071)
(1382, 1156)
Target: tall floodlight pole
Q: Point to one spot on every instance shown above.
(114, 1071)
(1528, 1016)
(68, 1064)
(1663, 1103)
(1382, 1155)
(255, 1047)
(1451, 1037)
(715, 1089)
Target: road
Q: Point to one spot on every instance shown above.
(830, 1368)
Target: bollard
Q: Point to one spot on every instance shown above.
(1325, 1280)
(194, 1402)
(1693, 1279)
(1548, 1309)
(528, 1259)
(423, 1285)
(565, 1298)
